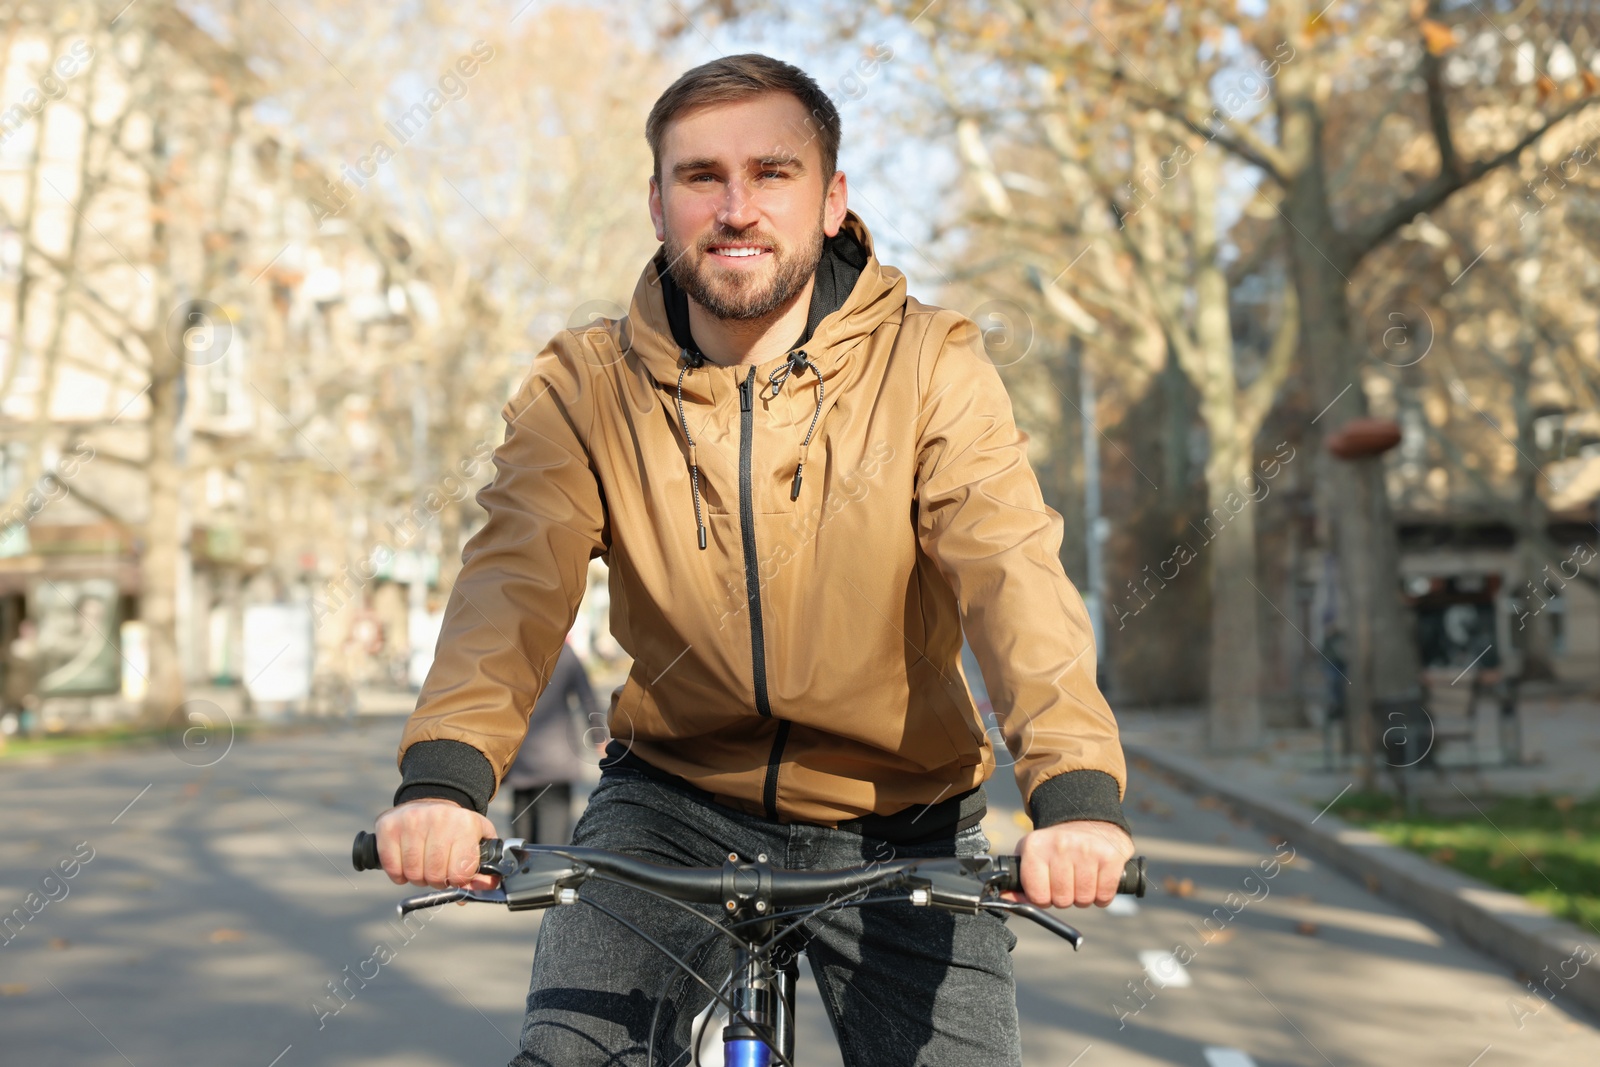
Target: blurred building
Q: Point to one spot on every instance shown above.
(144, 204)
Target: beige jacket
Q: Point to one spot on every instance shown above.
(804, 663)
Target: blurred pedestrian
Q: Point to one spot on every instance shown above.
(548, 762)
(22, 677)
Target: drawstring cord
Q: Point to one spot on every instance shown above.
(691, 360)
(798, 361)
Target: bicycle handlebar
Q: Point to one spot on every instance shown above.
(707, 885)
(755, 894)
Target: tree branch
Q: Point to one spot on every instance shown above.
(1439, 113)
(1172, 326)
(94, 503)
(1242, 141)
(1367, 235)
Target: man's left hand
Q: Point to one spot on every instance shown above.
(1075, 863)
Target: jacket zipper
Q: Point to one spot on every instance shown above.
(752, 585)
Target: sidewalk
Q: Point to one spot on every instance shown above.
(1560, 745)
(1285, 789)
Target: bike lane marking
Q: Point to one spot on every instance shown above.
(1164, 969)
(1216, 1056)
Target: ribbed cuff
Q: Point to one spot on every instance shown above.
(431, 792)
(1077, 795)
(453, 770)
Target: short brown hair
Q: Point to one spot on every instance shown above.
(738, 78)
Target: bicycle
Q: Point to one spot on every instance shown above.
(755, 897)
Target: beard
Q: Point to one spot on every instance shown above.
(743, 296)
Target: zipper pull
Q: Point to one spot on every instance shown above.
(746, 401)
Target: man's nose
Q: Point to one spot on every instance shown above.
(738, 210)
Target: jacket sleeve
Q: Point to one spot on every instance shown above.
(983, 521)
(514, 600)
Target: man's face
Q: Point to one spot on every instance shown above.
(742, 204)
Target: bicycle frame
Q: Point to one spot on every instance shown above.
(764, 993)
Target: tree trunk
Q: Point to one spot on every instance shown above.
(1381, 646)
(1229, 527)
(159, 563)
(162, 550)
(1235, 687)
(1533, 522)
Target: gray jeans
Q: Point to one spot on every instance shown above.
(901, 985)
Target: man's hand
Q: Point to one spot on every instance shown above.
(435, 843)
(1073, 863)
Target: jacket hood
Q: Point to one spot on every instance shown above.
(853, 295)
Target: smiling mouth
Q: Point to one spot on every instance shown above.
(739, 251)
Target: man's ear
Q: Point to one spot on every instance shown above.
(835, 204)
(657, 216)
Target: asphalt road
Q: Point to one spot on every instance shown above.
(209, 907)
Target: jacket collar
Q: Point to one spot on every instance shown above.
(854, 294)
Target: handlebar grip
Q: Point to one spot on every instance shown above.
(1133, 881)
(364, 852)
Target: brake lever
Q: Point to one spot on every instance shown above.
(1067, 933)
(450, 896)
(503, 861)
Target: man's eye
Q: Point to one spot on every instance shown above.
(772, 174)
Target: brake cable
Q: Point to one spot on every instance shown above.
(733, 1009)
(727, 930)
(803, 913)
(661, 999)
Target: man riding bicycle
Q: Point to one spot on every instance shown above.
(807, 486)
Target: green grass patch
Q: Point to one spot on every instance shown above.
(53, 744)
(110, 737)
(1545, 848)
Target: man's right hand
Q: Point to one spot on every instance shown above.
(434, 842)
